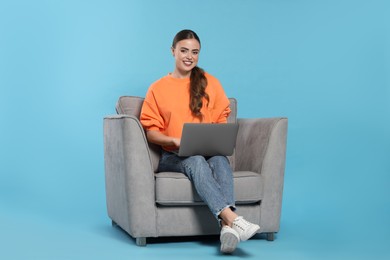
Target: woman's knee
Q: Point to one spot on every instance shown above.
(195, 161)
(195, 164)
(219, 160)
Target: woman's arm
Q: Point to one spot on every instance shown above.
(159, 138)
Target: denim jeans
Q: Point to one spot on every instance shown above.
(212, 178)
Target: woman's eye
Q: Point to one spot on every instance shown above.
(195, 53)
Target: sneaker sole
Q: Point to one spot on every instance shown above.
(229, 243)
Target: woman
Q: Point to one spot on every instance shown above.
(190, 95)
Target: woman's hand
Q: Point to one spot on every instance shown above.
(176, 142)
(159, 138)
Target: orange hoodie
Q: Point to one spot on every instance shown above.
(166, 106)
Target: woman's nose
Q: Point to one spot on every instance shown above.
(189, 55)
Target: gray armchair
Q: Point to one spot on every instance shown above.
(140, 201)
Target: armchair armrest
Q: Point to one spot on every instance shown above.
(261, 148)
(129, 176)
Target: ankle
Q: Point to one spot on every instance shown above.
(227, 217)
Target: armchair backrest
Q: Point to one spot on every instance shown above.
(131, 105)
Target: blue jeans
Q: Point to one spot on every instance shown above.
(212, 178)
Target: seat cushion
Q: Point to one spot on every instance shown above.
(174, 188)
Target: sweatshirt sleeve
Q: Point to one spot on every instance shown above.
(224, 115)
(150, 117)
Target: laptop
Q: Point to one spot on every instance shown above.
(208, 139)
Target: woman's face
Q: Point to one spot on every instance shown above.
(186, 53)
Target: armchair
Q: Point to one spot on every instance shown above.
(139, 200)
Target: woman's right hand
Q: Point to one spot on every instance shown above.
(176, 142)
(159, 138)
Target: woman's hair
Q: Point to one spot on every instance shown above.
(198, 80)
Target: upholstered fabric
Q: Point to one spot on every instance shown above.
(129, 105)
(173, 188)
(142, 201)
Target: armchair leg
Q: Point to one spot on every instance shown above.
(270, 236)
(140, 241)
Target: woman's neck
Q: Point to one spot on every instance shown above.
(180, 75)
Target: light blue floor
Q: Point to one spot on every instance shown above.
(98, 240)
(28, 234)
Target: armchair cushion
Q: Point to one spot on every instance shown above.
(174, 188)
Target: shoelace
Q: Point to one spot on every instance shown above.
(242, 221)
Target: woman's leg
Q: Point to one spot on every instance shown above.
(208, 186)
(223, 174)
(199, 172)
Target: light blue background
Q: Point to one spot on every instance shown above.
(323, 64)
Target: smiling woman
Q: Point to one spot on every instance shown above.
(186, 53)
(190, 95)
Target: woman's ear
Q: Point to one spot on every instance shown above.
(173, 51)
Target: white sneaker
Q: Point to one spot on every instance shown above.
(244, 228)
(229, 240)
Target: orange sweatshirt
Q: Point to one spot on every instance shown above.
(166, 106)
